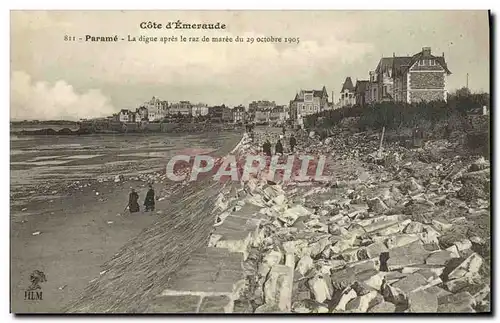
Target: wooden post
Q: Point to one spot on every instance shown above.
(381, 142)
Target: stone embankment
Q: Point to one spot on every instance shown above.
(406, 230)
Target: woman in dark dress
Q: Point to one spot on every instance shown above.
(149, 201)
(133, 205)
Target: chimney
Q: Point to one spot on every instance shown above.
(426, 51)
(393, 54)
(443, 54)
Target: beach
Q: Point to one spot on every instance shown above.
(67, 214)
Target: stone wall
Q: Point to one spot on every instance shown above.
(427, 80)
(426, 96)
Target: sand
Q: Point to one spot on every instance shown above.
(75, 240)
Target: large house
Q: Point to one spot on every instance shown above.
(347, 94)
(157, 109)
(199, 109)
(182, 107)
(421, 77)
(361, 92)
(142, 114)
(215, 113)
(308, 102)
(227, 115)
(279, 114)
(261, 105)
(239, 114)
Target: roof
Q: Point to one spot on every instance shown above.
(361, 86)
(401, 64)
(299, 97)
(348, 85)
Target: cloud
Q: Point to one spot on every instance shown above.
(44, 101)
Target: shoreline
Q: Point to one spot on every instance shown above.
(92, 232)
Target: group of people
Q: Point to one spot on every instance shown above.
(149, 201)
(278, 148)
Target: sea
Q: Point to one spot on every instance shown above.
(41, 161)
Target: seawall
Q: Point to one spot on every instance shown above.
(141, 269)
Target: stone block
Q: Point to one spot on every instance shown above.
(398, 292)
(278, 287)
(268, 308)
(174, 304)
(470, 265)
(216, 304)
(440, 257)
(249, 211)
(414, 227)
(410, 254)
(372, 251)
(361, 303)
(438, 291)
(422, 302)
(461, 283)
(380, 225)
(304, 265)
(384, 307)
(441, 224)
(212, 273)
(456, 303)
(272, 258)
(400, 240)
(298, 247)
(292, 214)
(348, 295)
(377, 205)
(321, 287)
(346, 277)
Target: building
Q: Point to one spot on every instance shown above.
(142, 114)
(262, 105)
(308, 102)
(278, 115)
(152, 116)
(262, 116)
(182, 107)
(420, 78)
(199, 109)
(215, 113)
(156, 108)
(361, 92)
(227, 115)
(126, 116)
(347, 94)
(372, 88)
(239, 114)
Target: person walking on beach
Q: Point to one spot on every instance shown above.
(149, 201)
(279, 147)
(293, 142)
(133, 205)
(266, 148)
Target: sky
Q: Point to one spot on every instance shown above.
(56, 79)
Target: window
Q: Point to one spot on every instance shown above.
(384, 90)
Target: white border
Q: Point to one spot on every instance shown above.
(186, 4)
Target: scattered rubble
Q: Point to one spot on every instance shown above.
(380, 239)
